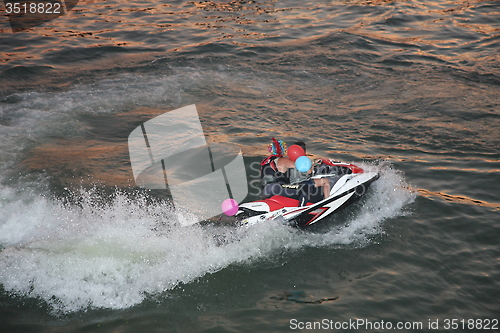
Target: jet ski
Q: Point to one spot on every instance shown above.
(348, 183)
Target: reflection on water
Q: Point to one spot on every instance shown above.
(457, 33)
(458, 199)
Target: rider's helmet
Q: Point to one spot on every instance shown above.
(277, 147)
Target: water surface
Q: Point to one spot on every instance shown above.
(411, 88)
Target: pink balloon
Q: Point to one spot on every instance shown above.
(230, 207)
(295, 151)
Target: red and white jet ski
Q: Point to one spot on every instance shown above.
(348, 183)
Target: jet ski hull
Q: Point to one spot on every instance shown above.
(347, 189)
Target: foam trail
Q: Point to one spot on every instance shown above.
(95, 255)
(100, 256)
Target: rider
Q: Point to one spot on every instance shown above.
(280, 177)
(274, 171)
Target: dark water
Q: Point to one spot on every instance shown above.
(411, 88)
